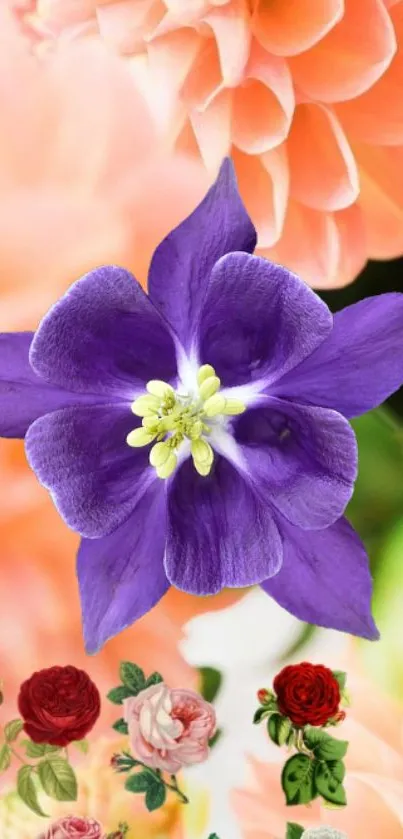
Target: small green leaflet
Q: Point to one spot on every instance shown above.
(81, 745)
(27, 791)
(132, 677)
(155, 796)
(117, 695)
(139, 782)
(5, 757)
(210, 683)
(154, 679)
(38, 749)
(294, 831)
(279, 729)
(12, 730)
(297, 780)
(341, 678)
(58, 779)
(121, 726)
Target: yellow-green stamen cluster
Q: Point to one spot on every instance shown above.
(169, 418)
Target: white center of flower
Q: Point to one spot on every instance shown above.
(170, 418)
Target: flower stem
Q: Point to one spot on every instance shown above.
(174, 787)
(21, 759)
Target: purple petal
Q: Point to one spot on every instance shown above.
(104, 336)
(220, 533)
(258, 320)
(361, 362)
(303, 459)
(81, 456)
(23, 395)
(325, 579)
(181, 266)
(122, 576)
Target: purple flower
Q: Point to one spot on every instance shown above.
(198, 436)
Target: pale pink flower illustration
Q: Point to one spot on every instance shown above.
(305, 94)
(74, 827)
(169, 728)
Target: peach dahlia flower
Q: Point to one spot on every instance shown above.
(307, 95)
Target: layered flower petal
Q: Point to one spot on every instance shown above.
(181, 266)
(121, 576)
(323, 172)
(381, 198)
(304, 460)
(359, 365)
(81, 456)
(325, 579)
(264, 186)
(94, 338)
(351, 58)
(220, 532)
(264, 104)
(258, 320)
(23, 395)
(292, 28)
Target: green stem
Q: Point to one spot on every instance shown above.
(174, 787)
(21, 759)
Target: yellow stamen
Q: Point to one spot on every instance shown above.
(160, 389)
(166, 469)
(209, 387)
(205, 371)
(214, 406)
(139, 437)
(159, 454)
(143, 406)
(233, 407)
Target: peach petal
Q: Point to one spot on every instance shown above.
(63, 13)
(377, 116)
(264, 104)
(309, 245)
(323, 174)
(381, 198)
(212, 130)
(263, 182)
(295, 26)
(351, 58)
(204, 80)
(352, 247)
(124, 24)
(232, 32)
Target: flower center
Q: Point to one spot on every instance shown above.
(170, 418)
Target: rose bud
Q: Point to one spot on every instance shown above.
(308, 694)
(264, 696)
(59, 705)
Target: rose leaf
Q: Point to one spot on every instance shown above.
(341, 678)
(132, 677)
(279, 729)
(154, 679)
(26, 790)
(119, 694)
(294, 831)
(121, 726)
(155, 795)
(58, 779)
(329, 776)
(139, 782)
(12, 730)
(323, 745)
(5, 757)
(297, 780)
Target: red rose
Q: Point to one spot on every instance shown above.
(308, 694)
(58, 705)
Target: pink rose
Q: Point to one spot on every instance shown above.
(73, 827)
(168, 728)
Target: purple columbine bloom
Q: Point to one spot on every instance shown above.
(199, 436)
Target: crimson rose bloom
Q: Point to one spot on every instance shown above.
(59, 705)
(308, 694)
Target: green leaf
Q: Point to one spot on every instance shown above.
(341, 678)
(323, 745)
(38, 749)
(117, 695)
(5, 757)
(329, 776)
(154, 679)
(58, 779)
(279, 729)
(215, 738)
(155, 796)
(294, 831)
(12, 730)
(139, 782)
(297, 780)
(213, 836)
(210, 683)
(81, 745)
(132, 677)
(121, 726)
(259, 715)
(26, 790)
